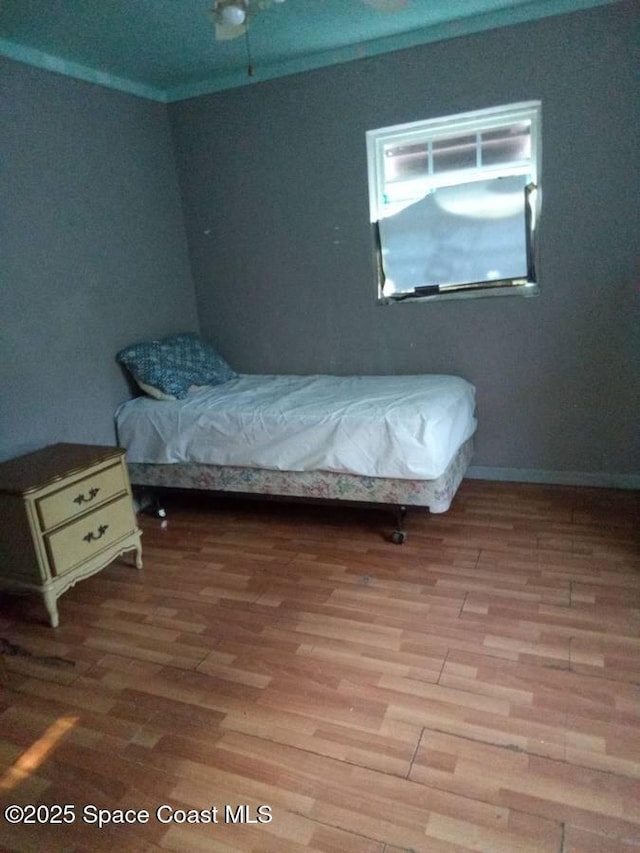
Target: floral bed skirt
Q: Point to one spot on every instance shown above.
(434, 495)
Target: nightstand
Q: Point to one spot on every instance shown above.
(66, 512)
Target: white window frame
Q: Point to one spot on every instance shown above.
(476, 121)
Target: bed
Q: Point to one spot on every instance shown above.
(397, 441)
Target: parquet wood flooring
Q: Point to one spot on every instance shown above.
(474, 689)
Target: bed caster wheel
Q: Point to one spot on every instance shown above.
(398, 537)
(160, 511)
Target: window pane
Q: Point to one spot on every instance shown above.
(456, 235)
(456, 152)
(506, 145)
(405, 161)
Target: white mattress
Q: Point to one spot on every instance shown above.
(405, 427)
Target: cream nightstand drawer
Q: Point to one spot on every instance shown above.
(81, 540)
(83, 495)
(67, 513)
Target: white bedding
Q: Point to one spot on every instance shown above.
(405, 427)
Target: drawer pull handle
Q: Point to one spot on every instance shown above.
(91, 536)
(83, 499)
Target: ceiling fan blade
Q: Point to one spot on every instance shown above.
(225, 32)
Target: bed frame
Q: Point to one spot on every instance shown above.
(434, 495)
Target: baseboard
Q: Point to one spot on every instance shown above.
(555, 478)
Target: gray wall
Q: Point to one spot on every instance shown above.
(274, 184)
(93, 253)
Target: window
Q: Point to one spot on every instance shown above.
(455, 203)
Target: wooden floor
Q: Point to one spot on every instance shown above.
(473, 689)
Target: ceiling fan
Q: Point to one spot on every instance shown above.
(232, 17)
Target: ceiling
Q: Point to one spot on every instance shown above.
(166, 49)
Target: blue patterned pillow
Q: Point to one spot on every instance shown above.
(167, 368)
(199, 359)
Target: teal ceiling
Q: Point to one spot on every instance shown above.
(166, 49)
